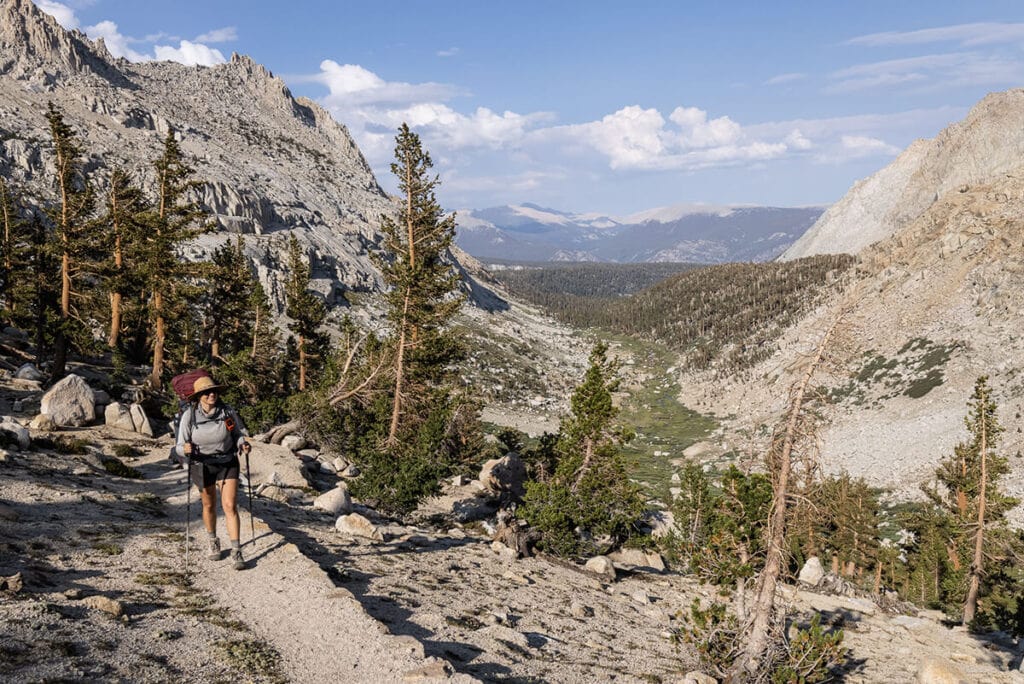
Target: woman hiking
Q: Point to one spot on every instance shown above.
(210, 435)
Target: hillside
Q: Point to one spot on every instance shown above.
(938, 303)
(268, 163)
(986, 145)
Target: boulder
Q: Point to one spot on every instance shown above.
(812, 572)
(293, 442)
(273, 464)
(19, 433)
(336, 501)
(504, 476)
(327, 467)
(70, 402)
(140, 420)
(28, 371)
(638, 559)
(117, 415)
(602, 566)
(357, 526)
(100, 397)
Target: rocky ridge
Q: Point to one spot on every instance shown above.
(269, 162)
(987, 144)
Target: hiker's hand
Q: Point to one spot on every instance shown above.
(187, 448)
(245, 448)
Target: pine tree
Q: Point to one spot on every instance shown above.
(306, 310)
(172, 221)
(228, 307)
(589, 494)
(124, 230)
(422, 296)
(15, 252)
(71, 217)
(970, 494)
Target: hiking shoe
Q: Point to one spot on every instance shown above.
(236, 558)
(214, 549)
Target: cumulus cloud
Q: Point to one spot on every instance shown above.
(117, 44)
(189, 53)
(637, 138)
(64, 15)
(981, 33)
(221, 35)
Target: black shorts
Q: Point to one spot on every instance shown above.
(207, 474)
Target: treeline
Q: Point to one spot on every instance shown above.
(725, 317)
(600, 280)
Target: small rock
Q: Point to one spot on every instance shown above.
(13, 583)
(503, 551)
(119, 416)
(434, 670)
(100, 397)
(358, 526)
(350, 471)
(327, 467)
(641, 597)
(459, 480)
(73, 594)
(107, 605)
(43, 423)
(28, 371)
(336, 501)
(935, 670)
(579, 610)
(20, 434)
(637, 559)
(140, 420)
(18, 406)
(603, 566)
(293, 442)
(339, 464)
(812, 572)
(698, 678)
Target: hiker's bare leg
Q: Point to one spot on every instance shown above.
(209, 498)
(229, 503)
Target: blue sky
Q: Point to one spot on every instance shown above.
(608, 107)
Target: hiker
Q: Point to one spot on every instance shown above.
(210, 436)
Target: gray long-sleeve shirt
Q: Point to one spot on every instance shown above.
(210, 434)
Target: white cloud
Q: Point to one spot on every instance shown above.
(64, 15)
(785, 78)
(189, 53)
(351, 84)
(450, 52)
(221, 35)
(117, 44)
(987, 33)
(928, 72)
(863, 146)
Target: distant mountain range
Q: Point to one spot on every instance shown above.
(685, 232)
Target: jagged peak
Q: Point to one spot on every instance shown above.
(32, 37)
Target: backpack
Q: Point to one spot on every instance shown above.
(183, 385)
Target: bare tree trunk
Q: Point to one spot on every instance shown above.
(971, 604)
(302, 363)
(156, 378)
(396, 406)
(758, 630)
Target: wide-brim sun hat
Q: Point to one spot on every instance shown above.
(204, 384)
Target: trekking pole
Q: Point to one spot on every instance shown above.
(188, 510)
(248, 484)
